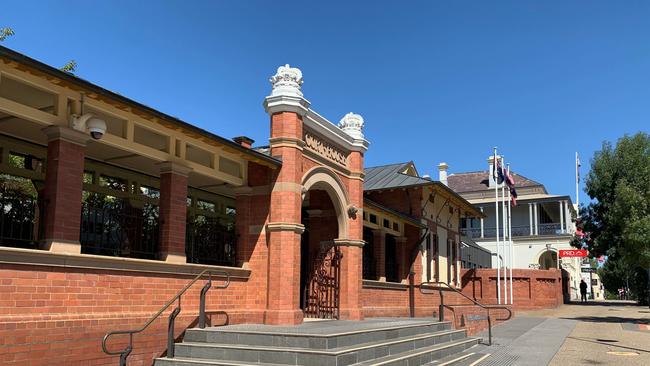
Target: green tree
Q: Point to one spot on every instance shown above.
(617, 221)
(70, 67)
(6, 32)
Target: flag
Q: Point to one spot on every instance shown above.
(499, 173)
(494, 165)
(509, 180)
(513, 196)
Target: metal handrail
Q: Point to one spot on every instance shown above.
(172, 317)
(441, 308)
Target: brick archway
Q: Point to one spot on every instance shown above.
(323, 178)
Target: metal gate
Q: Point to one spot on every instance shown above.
(322, 292)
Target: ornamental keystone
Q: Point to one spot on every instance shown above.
(287, 81)
(352, 124)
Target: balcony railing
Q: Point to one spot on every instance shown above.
(517, 231)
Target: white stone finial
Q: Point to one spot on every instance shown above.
(287, 81)
(352, 124)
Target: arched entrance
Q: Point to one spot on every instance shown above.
(323, 216)
(548, 259)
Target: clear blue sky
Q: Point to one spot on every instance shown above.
(435, 81)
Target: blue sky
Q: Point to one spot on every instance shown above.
(435, 81)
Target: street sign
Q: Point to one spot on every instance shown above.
(588, 270)
(573, 253)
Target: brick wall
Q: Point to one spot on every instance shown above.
(58, 316)
(533, 289)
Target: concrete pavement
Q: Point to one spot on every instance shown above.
(596, 333)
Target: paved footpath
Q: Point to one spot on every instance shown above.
(598, 333)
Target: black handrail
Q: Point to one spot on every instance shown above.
(172, 317)
(441, 309)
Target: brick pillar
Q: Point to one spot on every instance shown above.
(252, 204)
(352, 262)
(63, 188)
(379, 244)
(285, 227)
(173, 211)
(286, 107)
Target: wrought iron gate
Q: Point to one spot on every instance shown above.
(322, 292)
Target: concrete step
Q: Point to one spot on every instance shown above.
(185, 361)
(430, 356)
(344, 337)
(423, 355)
(345, 355)
(470, 357)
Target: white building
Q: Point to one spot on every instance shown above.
(542, 223)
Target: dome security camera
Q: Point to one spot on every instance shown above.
(96, 128)
(89, 123)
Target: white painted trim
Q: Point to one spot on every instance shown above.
(333, 133)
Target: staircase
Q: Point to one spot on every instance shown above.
(376, 341)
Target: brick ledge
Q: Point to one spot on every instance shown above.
(19, 256)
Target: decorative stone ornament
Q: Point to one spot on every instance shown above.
(287, 81)
(352, 124)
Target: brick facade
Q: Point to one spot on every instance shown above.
(63, 187)
(173, 212)
(58, 316)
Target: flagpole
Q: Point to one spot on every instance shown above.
(505, 232)
(496, 221)
(511, 254)
(577, 183)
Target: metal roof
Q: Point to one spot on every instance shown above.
(478, 181)
(391, 176)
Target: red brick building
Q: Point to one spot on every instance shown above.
(109, 208)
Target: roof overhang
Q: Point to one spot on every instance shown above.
(403, 217)
(66, 79)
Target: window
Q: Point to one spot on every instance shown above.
(373, 218)
(386, 223)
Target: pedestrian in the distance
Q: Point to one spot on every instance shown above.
(583, 291)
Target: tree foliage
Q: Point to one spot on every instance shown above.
(5, 33)
(70, 67)
(617, 221)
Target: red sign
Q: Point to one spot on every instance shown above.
(573, 253)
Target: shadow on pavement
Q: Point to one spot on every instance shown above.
(605, 303)
(609, 319)
(597, 341)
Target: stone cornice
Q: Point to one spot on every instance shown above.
(333, 133)
(285, 226)
(286, 103)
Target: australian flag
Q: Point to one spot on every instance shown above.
(498, 172)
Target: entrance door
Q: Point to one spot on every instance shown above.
(322, 288)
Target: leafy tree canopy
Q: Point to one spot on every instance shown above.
(617, 222)
(6, 32)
